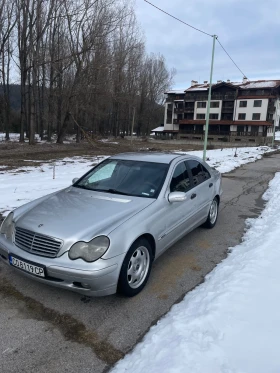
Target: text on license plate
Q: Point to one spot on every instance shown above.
(27, 267)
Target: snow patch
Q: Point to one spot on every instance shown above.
(229, 324)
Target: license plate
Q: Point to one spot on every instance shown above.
(27, 266)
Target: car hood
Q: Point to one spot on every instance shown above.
(76, 214)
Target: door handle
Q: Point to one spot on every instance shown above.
(210, 185)
(193, 196)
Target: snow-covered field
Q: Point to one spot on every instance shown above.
(14, 137)
(28, 183)
(230, 323)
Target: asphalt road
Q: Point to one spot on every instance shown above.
(44, 329)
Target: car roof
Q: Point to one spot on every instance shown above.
(155, 157)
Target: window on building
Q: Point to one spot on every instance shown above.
(242, 103)
(256, 116)
(242, 116)
(215, 104)
(169, 106)
(200, 116)
(201, 104)
(169, 117)
(257, 103)
(180, 105)
(213, 116)
(270, 116)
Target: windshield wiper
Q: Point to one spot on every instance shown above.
(115, 191)
(80, 186)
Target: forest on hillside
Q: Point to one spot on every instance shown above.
(81, 61)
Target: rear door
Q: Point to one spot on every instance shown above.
(203, 187)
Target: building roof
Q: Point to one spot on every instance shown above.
(254, 84)
(261, 84)
(176, 92)
(158, 129)
(258, 97)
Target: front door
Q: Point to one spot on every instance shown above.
(178, 217)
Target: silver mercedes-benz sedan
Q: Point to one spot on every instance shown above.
(102, 234)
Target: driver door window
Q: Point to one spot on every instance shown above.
(199, 172)
(180, 180)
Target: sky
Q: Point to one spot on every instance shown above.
(248, 30)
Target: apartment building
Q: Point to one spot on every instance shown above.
(239, 111)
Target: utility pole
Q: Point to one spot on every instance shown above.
(273, 136)
(209, 99)
(132, 125)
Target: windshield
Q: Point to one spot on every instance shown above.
(134, 178)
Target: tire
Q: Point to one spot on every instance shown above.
(212, 215)
(136, 268)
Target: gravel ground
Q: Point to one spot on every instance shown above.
(14, 154)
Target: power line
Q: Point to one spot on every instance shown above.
(231, 59)
(163, 11)
(197, 29)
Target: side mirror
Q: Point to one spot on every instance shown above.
(75, 180)
(177, 197)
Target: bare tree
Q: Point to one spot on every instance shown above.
(7, 24)
(85, 58)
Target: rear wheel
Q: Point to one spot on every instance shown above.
(213, 214)
(136, 268)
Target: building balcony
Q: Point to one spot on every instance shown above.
(245, 134)
(191, 132)
(218, 133)
(227, 110)
(227, 96)
(178, 111)
(221, 133)
(196, 97)
(214, 96)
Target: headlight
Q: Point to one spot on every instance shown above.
(89, 251)
(7, 227)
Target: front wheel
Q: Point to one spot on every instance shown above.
(136, 268)
(213, 214)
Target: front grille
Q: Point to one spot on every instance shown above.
(36, 243)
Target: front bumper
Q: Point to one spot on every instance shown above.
(100, 277)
